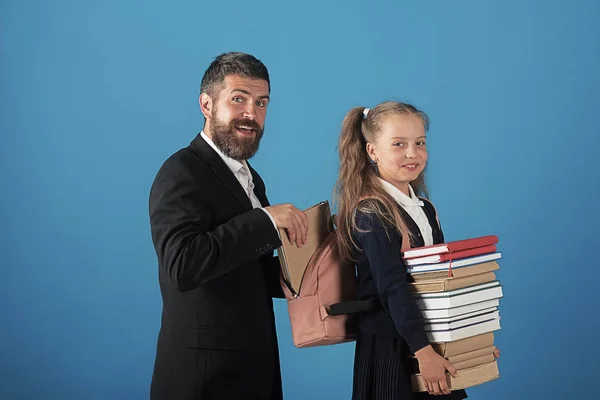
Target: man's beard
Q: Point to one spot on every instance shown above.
(230, 143)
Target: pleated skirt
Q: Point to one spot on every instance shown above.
(382, 371)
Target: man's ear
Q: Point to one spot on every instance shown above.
(206, 104)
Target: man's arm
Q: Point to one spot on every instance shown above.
(188, 252)
(273, 276)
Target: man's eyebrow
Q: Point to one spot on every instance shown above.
(266, 96)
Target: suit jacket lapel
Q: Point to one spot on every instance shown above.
(223, 173)
(259, 187)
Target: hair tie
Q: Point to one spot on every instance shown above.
(365, 112)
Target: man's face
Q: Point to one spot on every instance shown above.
(237, 117)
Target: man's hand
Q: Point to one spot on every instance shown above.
(293, 220)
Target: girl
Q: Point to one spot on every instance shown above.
(383, 154)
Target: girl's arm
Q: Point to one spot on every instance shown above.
(389, 274)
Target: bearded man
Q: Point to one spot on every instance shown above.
(214, 234)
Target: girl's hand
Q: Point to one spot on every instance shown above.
(433, 369)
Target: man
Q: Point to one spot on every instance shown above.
(214, 233)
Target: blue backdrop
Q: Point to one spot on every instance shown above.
(95, 95)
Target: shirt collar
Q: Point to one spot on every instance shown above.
(400, 197)
(234, 165)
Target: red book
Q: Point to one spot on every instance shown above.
(451, 247)
(440, 258)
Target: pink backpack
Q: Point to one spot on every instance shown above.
(326, 309)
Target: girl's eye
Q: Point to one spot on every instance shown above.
(399, 144)
(421, 143)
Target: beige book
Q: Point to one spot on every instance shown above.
(449, 349)
(472, 354)
(466, 360)
(457, 272)
(466, 378)
(443, 285)
(473, 362)
(294, 260)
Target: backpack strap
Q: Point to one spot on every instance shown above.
(350, 307)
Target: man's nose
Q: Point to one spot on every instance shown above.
(250, 111)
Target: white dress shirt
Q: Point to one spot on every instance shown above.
(413, 206)
(242, 174)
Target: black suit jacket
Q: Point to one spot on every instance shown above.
(217, 277)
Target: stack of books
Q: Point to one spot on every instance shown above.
(457, 291)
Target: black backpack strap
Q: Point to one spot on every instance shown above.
(351, 307)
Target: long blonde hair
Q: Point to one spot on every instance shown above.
(358, 177)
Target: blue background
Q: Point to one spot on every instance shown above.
(95, 95)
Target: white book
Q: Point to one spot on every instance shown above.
(461, 316)
(452, 335)
(462, 262)
(459, 297)
(458, 311)
(459, 323)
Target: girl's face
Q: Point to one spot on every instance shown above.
(400, 150)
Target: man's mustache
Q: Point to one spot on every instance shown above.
(247, 122)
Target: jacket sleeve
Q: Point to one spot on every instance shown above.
(190, 254)
(389, 273)
(273, 277)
